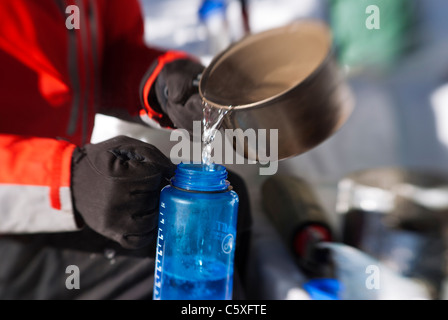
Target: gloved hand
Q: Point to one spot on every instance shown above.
(115, 187)
(177, 93)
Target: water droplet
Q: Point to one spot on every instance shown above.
(109, 253)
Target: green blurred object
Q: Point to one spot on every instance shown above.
(360, 45)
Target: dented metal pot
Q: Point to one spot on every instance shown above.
(283, 81)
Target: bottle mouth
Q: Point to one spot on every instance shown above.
(210, 169)
(200, 177)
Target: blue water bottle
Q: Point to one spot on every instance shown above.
(196, 237)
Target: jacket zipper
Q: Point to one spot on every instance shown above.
(87, 78)
(73, 73)
(93, 19)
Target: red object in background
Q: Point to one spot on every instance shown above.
(305, 239)
(245, 14)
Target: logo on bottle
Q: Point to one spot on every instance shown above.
(227, 243)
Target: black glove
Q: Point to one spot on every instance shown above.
(178, 94)
(115, 187)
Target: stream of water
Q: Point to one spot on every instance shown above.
(212, 121)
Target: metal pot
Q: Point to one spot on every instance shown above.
(283, 79)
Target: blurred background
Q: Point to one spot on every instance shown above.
(396, 139)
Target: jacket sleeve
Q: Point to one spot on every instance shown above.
(130, 67)
(35, 185)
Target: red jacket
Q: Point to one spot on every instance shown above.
(52, 82)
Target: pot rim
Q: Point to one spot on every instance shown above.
(304, 82)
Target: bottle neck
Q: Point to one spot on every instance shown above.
(199, 177)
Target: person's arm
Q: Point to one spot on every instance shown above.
(131, 69)
(48, 185)
(35, 185)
